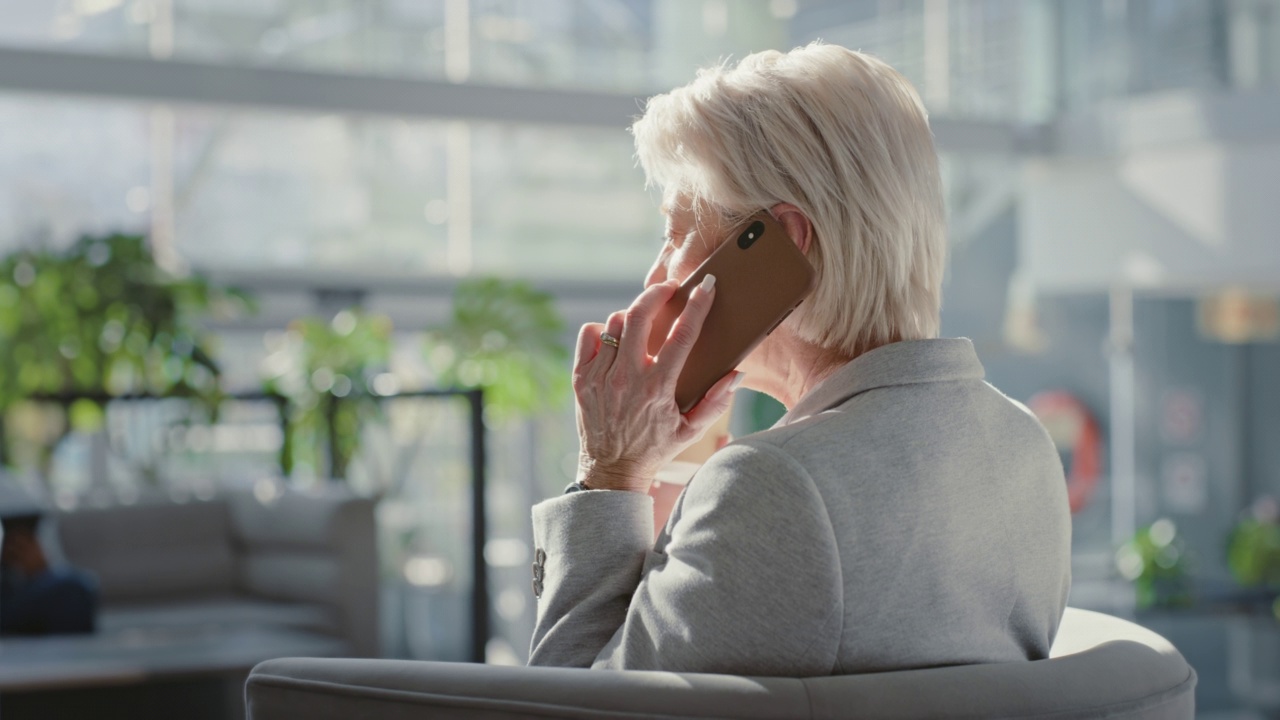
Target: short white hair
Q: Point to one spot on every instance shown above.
(845, 138)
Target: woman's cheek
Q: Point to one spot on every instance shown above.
(683, 266)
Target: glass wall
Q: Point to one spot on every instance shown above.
(1028, 60)
(988, 59)
(620, 45)
(1113, 48)
(321, 203)
(261, 192)
(68, 167)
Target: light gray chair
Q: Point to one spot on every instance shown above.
(1101, 666)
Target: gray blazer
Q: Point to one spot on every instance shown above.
(904, 514)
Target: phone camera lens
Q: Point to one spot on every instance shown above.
(750, 235)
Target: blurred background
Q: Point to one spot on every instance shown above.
(274, 248)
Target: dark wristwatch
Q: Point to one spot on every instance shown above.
(575, 486)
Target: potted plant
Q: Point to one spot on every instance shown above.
(502, 336)
(94, 321)
(1155, 562)
(1253, 549)
(323, 374)
(507, 338)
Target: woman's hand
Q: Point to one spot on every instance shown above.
(628, 421)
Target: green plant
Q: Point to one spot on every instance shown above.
(1253, 550)
(324, 371)
(505, 337)
(1154, 561)
(101, 319)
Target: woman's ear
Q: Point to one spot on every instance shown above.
(797, 225)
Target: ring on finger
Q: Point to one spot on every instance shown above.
(609, 340)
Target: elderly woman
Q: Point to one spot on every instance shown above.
(902, 514)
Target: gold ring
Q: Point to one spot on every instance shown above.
(609, 340)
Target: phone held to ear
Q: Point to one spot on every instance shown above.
(761, 276)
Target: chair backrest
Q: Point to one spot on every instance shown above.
(152, 551)
(1103, 667)
(1100, 666)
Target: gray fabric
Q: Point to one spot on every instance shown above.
(223, 612)
(290, 521)
(1101, 665)
(305, 577)
(354, 534)
(171, 570)
(394, 689)
(1114, 669)
(318, 547)
(67, 662)
(152, 551)
(904, 514)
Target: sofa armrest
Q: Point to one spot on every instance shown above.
(317, 547)
(394, 689)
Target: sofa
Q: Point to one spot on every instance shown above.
(1100, 666)
(204, 590)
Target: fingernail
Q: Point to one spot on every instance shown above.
(735, 382)
(708, 282)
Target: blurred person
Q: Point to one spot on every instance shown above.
(36, 597)
(902, 514)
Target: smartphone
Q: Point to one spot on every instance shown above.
(761, 276)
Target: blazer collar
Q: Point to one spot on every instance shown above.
(901, 363)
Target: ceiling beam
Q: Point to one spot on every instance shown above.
(1175, 118)
(193, 83)
(182, 82)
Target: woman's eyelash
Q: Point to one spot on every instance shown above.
(675, 238)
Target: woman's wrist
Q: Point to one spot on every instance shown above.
(594, 476)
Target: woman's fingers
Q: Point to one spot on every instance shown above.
(611, 340)
(687, 328)
(588, 343)
(638, 322)
(713, 404)
(586, 350)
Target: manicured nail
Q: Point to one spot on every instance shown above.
(708, 283)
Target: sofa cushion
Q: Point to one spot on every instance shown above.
(219, 612)
(295, 521)
(152, 551)
(291, 576)
(304, 547)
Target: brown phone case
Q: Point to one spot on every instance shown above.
(761, 276)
